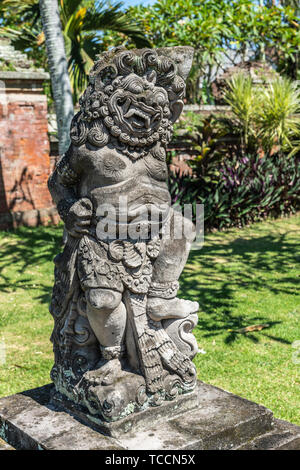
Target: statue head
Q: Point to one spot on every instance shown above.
(133, 98)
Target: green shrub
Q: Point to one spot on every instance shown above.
(278, 116)
(263, 118)
(245, 164)
(243, 190)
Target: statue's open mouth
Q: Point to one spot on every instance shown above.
(138, 118)
(141, 116)
(135, 114)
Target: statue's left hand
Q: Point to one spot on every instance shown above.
(79, 217)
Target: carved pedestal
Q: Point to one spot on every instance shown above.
(221, 421)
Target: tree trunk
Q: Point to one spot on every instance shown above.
(60, 81)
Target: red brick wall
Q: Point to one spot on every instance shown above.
(24, 162)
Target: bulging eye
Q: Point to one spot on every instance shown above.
(160, 99)
(135, 86)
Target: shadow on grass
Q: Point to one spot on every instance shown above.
(255, 259)
(216, 272)
(33, 247)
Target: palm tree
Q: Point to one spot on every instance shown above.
(83, 23)
(83, 29)
(60, 82)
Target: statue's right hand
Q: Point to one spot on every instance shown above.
(79, 217)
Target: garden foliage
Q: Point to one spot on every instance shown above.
(222, 32)
(241, 190)
(246, 165)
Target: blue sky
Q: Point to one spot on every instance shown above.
(137, 2)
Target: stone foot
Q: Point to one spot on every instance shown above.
(106, 372)
(161, 309)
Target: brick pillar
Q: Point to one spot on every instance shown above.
(24, 151)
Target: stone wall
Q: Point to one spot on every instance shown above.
(24, 150)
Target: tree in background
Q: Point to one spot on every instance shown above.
(20, 21)
(61, 87)
(183, 22)
(83, 23)
(221, 32)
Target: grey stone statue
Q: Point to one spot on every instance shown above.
(122, 338)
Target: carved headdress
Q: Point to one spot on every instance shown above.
(133, 97)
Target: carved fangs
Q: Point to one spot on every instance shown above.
(139, 114)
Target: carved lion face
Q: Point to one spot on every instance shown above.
(134, 96)
(138, 107)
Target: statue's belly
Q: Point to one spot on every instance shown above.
(132, 201)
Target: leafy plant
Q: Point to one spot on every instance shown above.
(263, 118)
(242, 171)
(223, 32)
(278, 116)
(241, 97)
(247, 189)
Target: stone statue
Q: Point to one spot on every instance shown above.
(122, 338)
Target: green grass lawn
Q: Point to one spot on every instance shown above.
(240, 278)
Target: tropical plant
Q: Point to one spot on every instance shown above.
(83, 22)
(20, 21)
(208, 145)
(222, 33)
(263, 118)
(278, 116)
(247, 189)
(187, 22)
(241, 97)
(245, 165)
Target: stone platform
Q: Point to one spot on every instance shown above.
(221, 421)
(137, 421)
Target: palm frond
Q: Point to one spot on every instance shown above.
(79, 65)
(29, 9)
(22, 38)
(92, 44)
(113, 19)
(68, 8)
(279, 113)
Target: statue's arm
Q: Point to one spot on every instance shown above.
(63, 182)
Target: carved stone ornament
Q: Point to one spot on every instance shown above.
(122, 338)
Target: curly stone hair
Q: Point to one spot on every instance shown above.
(115, 70)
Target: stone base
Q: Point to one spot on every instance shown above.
(136, 421)
(30, 420)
